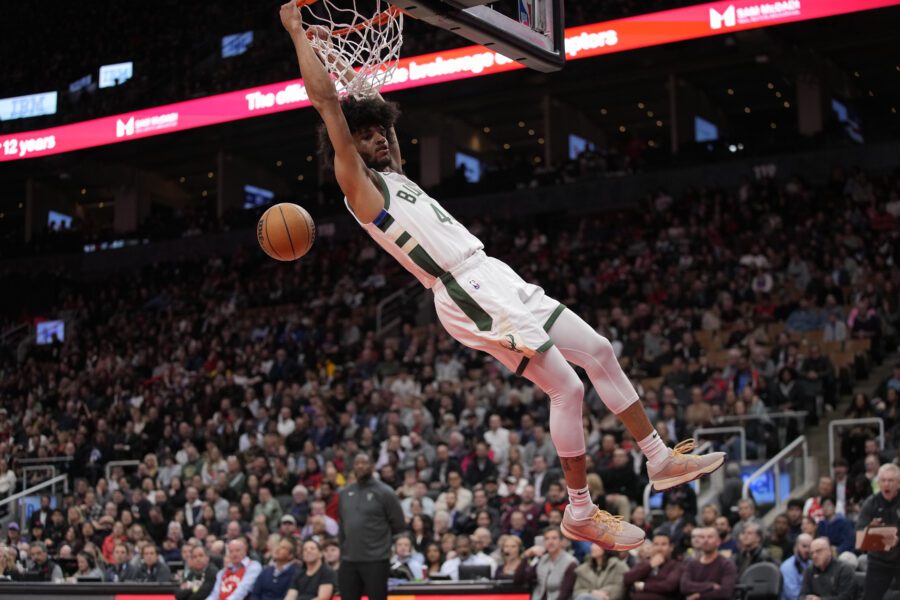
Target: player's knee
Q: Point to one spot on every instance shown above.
(604, 349)
(572, 389)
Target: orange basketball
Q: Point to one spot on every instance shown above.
(286, 231)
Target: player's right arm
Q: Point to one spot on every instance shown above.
(351, 172)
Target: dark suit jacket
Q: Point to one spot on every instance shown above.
(550, 476)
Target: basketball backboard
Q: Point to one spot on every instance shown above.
(530, 32)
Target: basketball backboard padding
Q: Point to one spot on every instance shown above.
(496, 31)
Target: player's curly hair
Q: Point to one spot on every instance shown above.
(360, 113)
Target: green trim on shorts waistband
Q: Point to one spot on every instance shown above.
(554, 316)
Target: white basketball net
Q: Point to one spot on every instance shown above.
(363, 45)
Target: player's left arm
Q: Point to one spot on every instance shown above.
(348, 75)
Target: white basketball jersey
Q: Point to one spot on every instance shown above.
(416, 230)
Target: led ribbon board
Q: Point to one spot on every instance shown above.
(692, 22)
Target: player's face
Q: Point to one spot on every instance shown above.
(372, 145)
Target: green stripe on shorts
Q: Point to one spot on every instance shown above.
(404, 237)
(467, 304)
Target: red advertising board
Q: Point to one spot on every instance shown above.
(606, 37)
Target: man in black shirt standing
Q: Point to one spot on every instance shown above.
(370, 517)
(882, 509)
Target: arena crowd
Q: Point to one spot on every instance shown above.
(244, 389)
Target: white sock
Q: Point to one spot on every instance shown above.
(653, 448)
(582, 507)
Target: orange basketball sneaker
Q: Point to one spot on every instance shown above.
(607, 531)
(681, 467)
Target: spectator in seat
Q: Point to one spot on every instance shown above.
(813, 506)
(511, 549)
(709, 576)
(406, 563)
(556, 499)
(442, 468)
(795, 518)
(151, 569)
(836, 528)
(314, 580)
(620, 480)
(120, 567)
(464, 557)
(793, 568)
(274, 581)
(236, 580)
(481, 467)
(200, 576)
(462, 494)
(727, 544)
(674, 524)
(778, 544)
(658, 578)
(751, 548)
(827, 577)
(600, 577)
(747, 515)
(552, 576)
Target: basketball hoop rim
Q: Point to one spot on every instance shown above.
(378, 19)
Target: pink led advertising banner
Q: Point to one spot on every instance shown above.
(653, 29)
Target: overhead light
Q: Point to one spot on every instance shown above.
(521, 123)
(893, 110)
(771, 86)
(300, 177)
(730, 92)
(621, 128)
(650, 113)
(871, 94)
(778, 94)
(537, 159)
(732, 148)
(740, 146)
(210, 175)
(21, 204)
(651, 143)
(487, 129)
(83, 191)
(414, 141)
(540, 140)
(278, 163)
(641, 105)
(181, 179)
(506, 146)
(101, 205)
(773, 125)
(531, 132)
(747, 109)
(856, 73)
(603, 111)
(204, 193)
(659, 123)
(787, 104)
(309, 158)
(402, 161)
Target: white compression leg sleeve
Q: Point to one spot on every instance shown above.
(550, 372)
(583, 346)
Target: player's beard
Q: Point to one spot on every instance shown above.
(379, 165)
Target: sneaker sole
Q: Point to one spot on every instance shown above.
(667, 484)
(615, 548)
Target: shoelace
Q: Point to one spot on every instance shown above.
(612, 522)
(684, 449)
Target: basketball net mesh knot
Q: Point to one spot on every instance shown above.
(360, 47)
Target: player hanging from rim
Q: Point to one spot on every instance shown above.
(482, 302)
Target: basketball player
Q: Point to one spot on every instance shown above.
(483, 303)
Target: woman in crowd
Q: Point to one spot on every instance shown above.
(601, 572)
(511, 549)
(434, 559)
(422, 533)
(87, 567)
